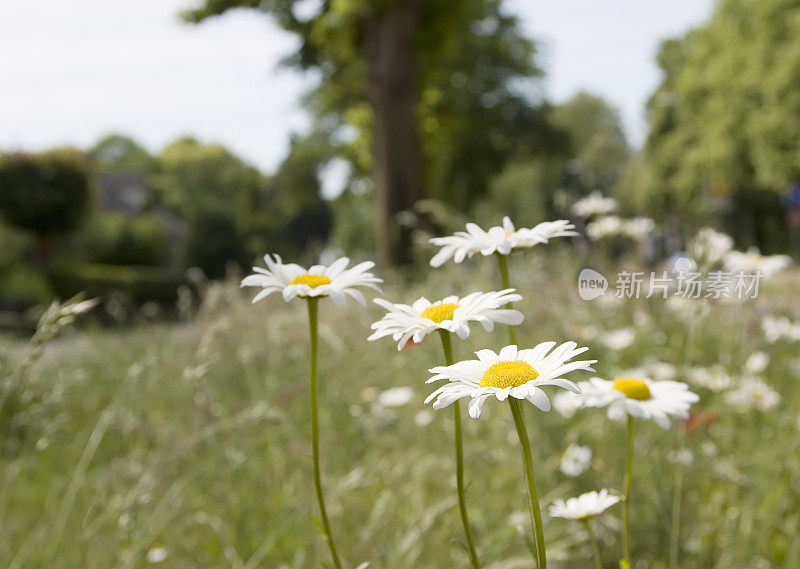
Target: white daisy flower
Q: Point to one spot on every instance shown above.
(575, 460)
(714, 378)
(567, 403)
(755, 262)
(618, 339)
(415, 322)
(423, 418)
(594, 204)
(683, 456)
(753, 392)
(756, 362)
(640, 398)
(780, 328)
(499, 239)
(603, 227)
(335, 280)
(584, 506)
(661, 370)
(511, 373)
(156, 554)
(638, 228)
(709, 246)
(395, 397)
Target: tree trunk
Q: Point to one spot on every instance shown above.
(393, 93)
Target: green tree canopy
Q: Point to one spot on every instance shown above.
(597, 146)
(725, 120)
(297, 218)
(429, 97)
(118, 152)
(195, 177)
(47, 194)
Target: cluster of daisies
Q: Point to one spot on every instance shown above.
(710, 249)
(514, 374)
(596, 211)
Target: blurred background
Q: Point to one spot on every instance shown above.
(141, 140)
(152, 151)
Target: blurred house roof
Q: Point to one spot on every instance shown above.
(126, 192)
(129, 193)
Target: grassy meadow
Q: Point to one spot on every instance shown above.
(186, 444)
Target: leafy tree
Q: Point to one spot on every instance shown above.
(432, 94)
(214, 242)
(47, 194)
(120, 153)
(214, 192)
(598, 149)
(482, 107)
(725, 121)
(354, 215)
(295, 215)
(195, 178)
(115, 239)
(589, 152)
(522, 190)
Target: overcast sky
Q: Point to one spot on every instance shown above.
(74, 70)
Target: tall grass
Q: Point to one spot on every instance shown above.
(191, 439)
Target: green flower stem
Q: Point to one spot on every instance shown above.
(313, 305)
(462, 501)
(677, 495)
(598, 564)
(518, 413)
(626, 538)
(502, 261)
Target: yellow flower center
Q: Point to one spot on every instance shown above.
(508, 374)
(440, 312)
(632, 388)
(311, 280)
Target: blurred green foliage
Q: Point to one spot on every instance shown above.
(724, 123)
(137, 284)
(22, 287)
(354, 217)
(295, 218)
(214, 242)
(192, 439)
(522, 190)
(193, 205)
(598, 151)
(194, 178)
(47, 194)
(116, 239)
(120, 153)
(430, 99)
(592, 154)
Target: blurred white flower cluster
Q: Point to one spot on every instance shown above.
(750, 391)
(636, 228)
(754, 262)
(594, 204)
(575, 460)
(780, 328)
(709, 247)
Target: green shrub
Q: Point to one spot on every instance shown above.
(214, 242)
(22, 287)
(47, 194)
(115, 239)
(523, 191)
(138, 283)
